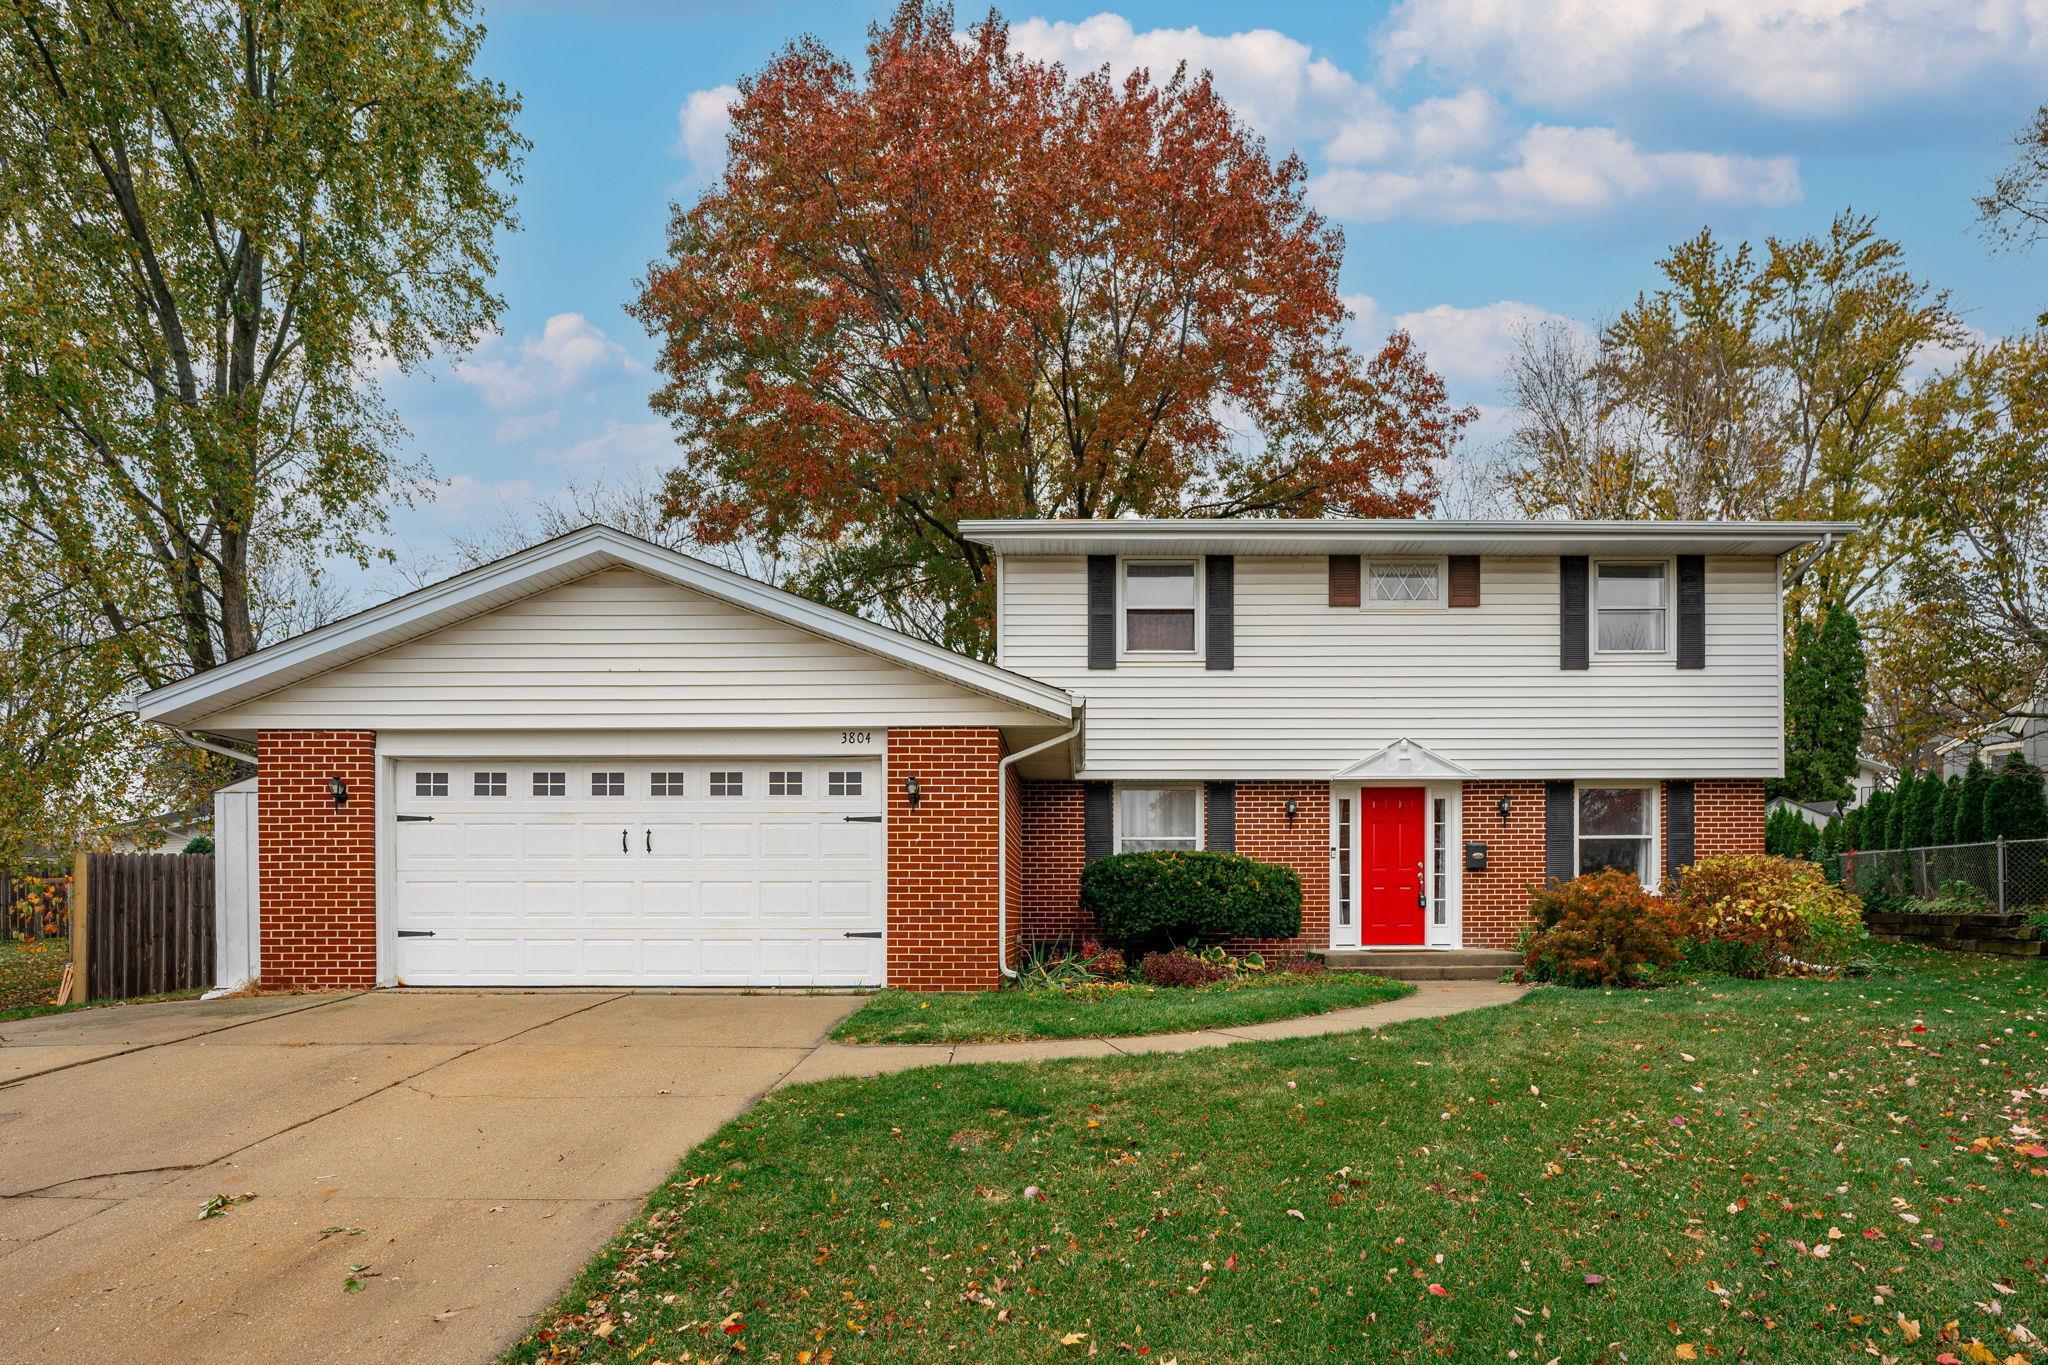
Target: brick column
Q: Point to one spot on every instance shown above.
(1264, 832)
(1728, 815)
(317, 864)
(1497, 900)
(942, 859)
(1054, 835)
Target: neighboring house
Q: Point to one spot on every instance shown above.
(1815, 813)
(1871, 775)
(2026, 736)
(166, 833)
(602, 762)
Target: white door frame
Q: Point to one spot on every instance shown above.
(1450, 933)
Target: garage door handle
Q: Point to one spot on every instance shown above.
(650, 841)
(862, 819)
(863, 933)
(416, 819)
(415, 933)
(624, 847)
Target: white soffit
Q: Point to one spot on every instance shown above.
(1406, 761)
(1331, 535)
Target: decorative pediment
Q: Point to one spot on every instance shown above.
(1404, 760)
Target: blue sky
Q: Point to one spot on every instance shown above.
(1490, 161)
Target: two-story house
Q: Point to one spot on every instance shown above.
(601, 762)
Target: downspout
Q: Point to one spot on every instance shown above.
(1003, 842)
(1827, 542)
(196, 742)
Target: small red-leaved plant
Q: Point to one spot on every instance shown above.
(1598, 930)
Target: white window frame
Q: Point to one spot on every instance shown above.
(1116, 809)
(1439, 563)
(1653, 861)
(1670, 568)
(1123, 615)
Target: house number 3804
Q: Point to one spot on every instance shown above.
(856, 736)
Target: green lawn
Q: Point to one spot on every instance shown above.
(1105, 1011)
(29, 972)
(1776, 1171)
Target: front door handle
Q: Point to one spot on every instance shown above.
(1421, 887)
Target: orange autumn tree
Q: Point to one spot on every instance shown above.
(969, 284)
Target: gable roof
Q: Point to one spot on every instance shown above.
(1404, 758)
(551, 564)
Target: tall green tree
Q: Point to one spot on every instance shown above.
(1750, 383)
(1945, 804)
(1916, 819)
(219, 220)
(1824, 709)
(1977, 780)
(2017, 806)
(1875, 830)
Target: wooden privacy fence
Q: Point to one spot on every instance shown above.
(148, 924)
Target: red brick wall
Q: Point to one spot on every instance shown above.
(942, 859)
(1050, 867)
(1054, 850)
(1265, 833)
(317, 864)
(1497, 900)
(1728, 815)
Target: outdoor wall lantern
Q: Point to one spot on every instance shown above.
(1291, 808)
(338, 789)
(912, 792)
(1503, 807)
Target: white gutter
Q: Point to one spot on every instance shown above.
(196, 742)
(1003, 843)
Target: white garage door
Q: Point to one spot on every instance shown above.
(669, 873)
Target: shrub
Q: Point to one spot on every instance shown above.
(1757, 915)
(1177, 967)
(1598, 930)
(1155, 900)
(1106, 964)
(199, 843)
(1058, 964)
(1954, 898)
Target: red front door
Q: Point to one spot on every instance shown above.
(1390, 865)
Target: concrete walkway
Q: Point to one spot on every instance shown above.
(1431, 999)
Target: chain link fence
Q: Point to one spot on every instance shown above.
(2011, 874)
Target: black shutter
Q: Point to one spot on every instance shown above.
(1677, 827)
(1220, 642)
(1096, 838)
(1572, 624)
(1344, 580)
(1222, 831)
(1102, 611)
(1560, 825)
(1464, 585)
(1692, 611)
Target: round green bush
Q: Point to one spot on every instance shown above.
(1155, 898)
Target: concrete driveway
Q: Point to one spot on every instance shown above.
(472, 1150)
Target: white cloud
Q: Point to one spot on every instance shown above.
(1450, 157)
(1813, 57)
(1275, 82)
(464, 495)
(1552, 173)
(1469, 347)
(622, 443)
(569, 349)
(1930, 360)
(701, 125)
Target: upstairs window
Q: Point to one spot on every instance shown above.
(1631, 605)
(1159, 608)
(1394, 583)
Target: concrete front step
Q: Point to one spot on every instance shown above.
(1416, 964)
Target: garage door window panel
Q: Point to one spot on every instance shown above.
(550, 784)
(607, 782)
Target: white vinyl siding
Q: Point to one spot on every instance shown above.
(1317, 688)
(619, 650)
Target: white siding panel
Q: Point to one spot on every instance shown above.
(619, 650)
(1317, 687)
